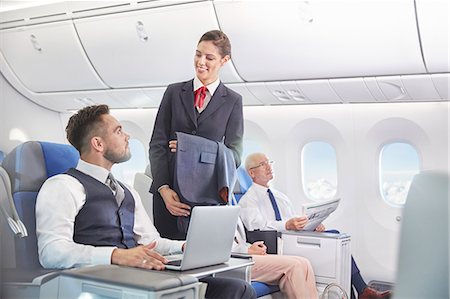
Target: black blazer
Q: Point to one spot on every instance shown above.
(222, 120)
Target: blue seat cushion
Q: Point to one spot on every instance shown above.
(263, 289)
(59, 157)
(26, 248)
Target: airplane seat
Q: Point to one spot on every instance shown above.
(423, 256)
(243, 182)
(262, 290)
(28, 166)
(270, 237)
(142, 183)
(336, 247)
(2, 156)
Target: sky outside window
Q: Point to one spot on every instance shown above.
(399, 162)
(126, 171)
(319, 170)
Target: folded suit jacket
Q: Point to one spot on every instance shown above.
(202, 169)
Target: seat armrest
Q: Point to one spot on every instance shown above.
(240, 273)
(315, 234)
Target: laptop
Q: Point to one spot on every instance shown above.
(209, 238)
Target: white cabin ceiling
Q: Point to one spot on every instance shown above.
(124, 53)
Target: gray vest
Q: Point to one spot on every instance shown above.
(101, 222)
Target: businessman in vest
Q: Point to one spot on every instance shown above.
(265, 208)
(86, 217)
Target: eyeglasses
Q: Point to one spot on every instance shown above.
(262, 164)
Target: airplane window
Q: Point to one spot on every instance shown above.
(250, 146)
(18, 135)
(125, 171)
(319, 170)
(399, 162)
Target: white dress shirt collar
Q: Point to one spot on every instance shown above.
(97, 172)
(211, 87)
(260, 188)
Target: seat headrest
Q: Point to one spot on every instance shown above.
(148, 171)
(32, 162)
(244, 181)
(425, 220)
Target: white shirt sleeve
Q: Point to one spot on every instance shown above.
(240, 244)
(58, 202)
(257, 212)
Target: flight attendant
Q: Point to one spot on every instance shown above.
(202, 106)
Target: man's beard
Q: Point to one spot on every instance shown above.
(116, 158)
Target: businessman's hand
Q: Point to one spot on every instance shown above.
(139, 257)
(173, 204)
(320, 228)
(296, 223)
(257, 248)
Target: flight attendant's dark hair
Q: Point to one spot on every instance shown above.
(219, 39)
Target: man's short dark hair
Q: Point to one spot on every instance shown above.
(85, 124)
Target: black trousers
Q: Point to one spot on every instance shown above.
(165, 223)
(228, 288)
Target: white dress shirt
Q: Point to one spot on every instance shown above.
(58, 203)
(257, 211)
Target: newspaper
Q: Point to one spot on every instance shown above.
(317, 212)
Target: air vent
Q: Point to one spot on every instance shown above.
(12, 21)
(100, 8)
(48, 16)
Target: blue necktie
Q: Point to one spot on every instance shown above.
(274, 205)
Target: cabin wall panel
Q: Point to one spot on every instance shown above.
(362, 214)
(424, 126)
(23, 120)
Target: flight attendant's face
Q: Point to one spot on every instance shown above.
(208, 61)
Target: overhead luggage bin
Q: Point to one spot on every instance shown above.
(50, 58)
(433, 20)
(150, 47)
(321, 39)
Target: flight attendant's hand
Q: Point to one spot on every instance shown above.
(173, 145)
(139, 257)
(173, 204)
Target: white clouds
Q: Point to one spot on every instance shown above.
(321, 189)
(396, 191)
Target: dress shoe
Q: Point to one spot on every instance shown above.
(371, 293)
